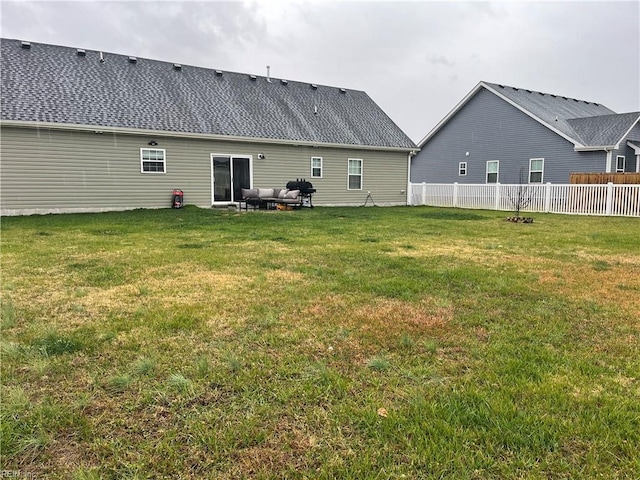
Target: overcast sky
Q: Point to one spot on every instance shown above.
(416, 59)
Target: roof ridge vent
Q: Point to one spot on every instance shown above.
(284, 82)
(343, 90)
(177, 66)
(25, 45)
(253, 78)
(218, 73)
(133, 60)
(81, 52)
(314, 86)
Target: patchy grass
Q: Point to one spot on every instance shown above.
(194, 343)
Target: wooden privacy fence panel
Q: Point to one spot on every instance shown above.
(609, 199)
(604, 178)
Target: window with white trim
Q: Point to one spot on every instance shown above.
(536, 170)
(462, 168)
(316, 167)
(621, 160)
(492, 171)
(152, 160)
(354, 174)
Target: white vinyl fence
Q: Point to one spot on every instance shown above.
(607, 199)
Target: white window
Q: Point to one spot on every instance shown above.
(354, 176)
(152, 160)
(316, 167)
(620, 163)
(462, 168)
(536, 170)
(492, 171)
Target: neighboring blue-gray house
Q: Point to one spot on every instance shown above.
(85, 130)
(500, 134)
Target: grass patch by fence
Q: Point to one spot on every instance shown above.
(196, 343)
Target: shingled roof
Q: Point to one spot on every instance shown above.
(584, 123)
(63, 85)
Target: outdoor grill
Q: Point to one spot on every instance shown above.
(306, 190)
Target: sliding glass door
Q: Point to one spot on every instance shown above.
(229, 175)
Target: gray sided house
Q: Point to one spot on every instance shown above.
(496, 133)
(85, 130)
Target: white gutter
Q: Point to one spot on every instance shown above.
(204, 136)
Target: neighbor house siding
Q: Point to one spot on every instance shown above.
(48, 170)
(628, 152)
(489, 128)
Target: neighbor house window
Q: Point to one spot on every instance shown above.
(354, 176)
(152, 160)
(492, 171)
(462, 168)
(620, 163)
(316, 167)
(536, 169)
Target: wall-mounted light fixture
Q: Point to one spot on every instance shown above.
(261, 156)
(153, 143)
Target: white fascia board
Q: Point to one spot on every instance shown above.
(617, 146)
(537, 119)
(455, 110)
(204, 136)
(636, 148)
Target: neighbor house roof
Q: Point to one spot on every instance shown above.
(584, 123)
(62, 85)
(605, 130)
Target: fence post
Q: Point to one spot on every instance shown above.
(609, 198)
(547, 197)
(497, 205)
(424, 193)
(455, 194)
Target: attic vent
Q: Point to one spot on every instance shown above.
(501, 86)
(596, 105)
(133, 60)
(218, 73)
(565, 98)
(81, 53)
(26, 45)
(314, 86)
(253, 78)
(515, 88)
(177, 66)
(578, 101)
(529, 91)
(343, 90)
(553, 95)
(284, 82)
(540, 93)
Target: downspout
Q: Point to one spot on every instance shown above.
(409, 155)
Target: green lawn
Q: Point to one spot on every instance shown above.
(196, 343)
